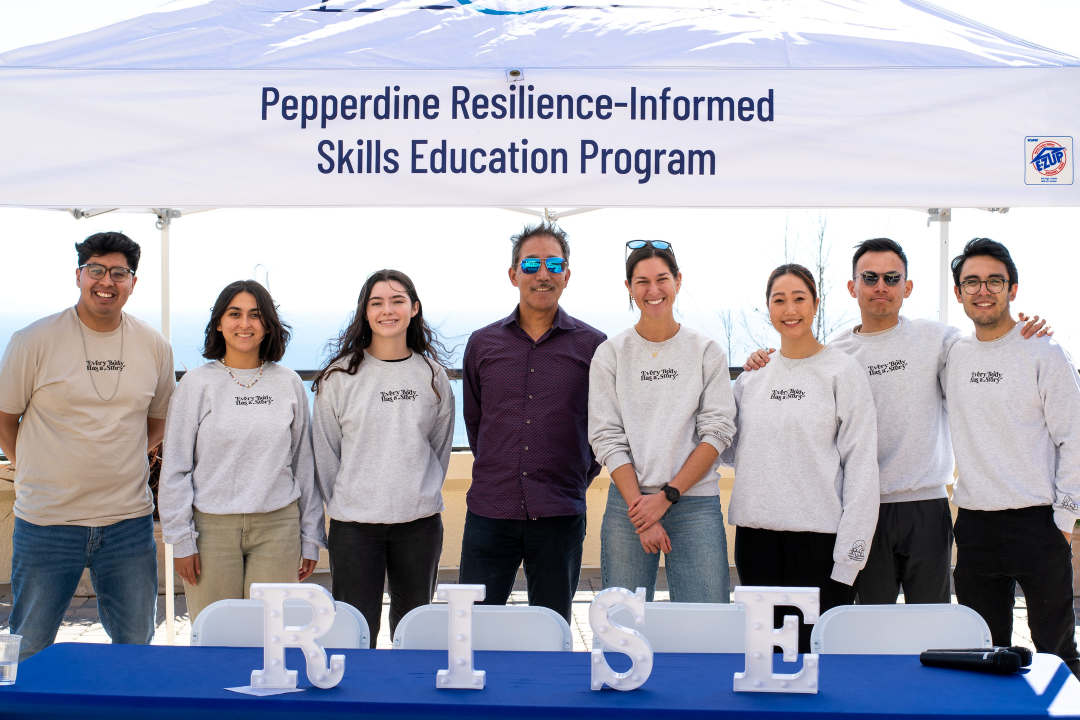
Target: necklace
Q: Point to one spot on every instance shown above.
(659, 347)
(237, 380)
(791, 363)
(86, 354)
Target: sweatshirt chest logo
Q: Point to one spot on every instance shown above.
(104, 365)
(790, 394)
(665, 374)
(891, 366)
(254, 400)
(395, 395)
(990, 376)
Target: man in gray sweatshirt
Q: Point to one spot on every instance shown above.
(1014, 415)
(905, 361)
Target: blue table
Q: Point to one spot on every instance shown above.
(83, 680)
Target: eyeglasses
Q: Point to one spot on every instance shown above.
(530, 266)
(993, 285)
(118, 274)
(870, 279)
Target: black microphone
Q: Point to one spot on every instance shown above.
(1025, 654)
(989, 660)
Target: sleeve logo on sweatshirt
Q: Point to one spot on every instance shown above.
(1067, 503)
(791, 394)
(395, 395)
(888, 367)
(857, 552)
(254, 400)
(665, 374)
(990, 376)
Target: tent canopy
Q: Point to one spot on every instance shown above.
(793, 103)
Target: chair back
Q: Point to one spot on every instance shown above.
(239, 623)
(495, 627)
(689, 627)
(897, 629)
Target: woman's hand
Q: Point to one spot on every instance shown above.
(306, 568)
(188, 568)
(655, 539)
(646, 510)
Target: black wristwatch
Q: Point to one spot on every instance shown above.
(671, 494)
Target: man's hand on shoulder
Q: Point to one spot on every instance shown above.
(1034, 327)
(758, 359)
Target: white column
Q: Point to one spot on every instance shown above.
(163, 224)
(945, 296)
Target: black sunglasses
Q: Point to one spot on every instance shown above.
(870, 279)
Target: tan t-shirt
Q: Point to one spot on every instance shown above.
(81, 460)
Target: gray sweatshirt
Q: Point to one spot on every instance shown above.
(234, 450)
(1014, 411)
(906, 366)
(382, 440)
(805, 455)
(653, 412)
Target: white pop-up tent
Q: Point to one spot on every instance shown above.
(499, 103)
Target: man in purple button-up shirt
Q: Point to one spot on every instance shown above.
(526, 400)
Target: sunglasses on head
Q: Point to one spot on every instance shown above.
(891, 279)
(638, 244)
(530, 266)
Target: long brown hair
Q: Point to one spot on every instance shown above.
(356, 337)
(277, 331)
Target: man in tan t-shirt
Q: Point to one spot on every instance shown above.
(83, 396)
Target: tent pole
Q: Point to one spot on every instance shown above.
(163, 223)
(943, 216)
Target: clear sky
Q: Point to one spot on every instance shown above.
(316, 260)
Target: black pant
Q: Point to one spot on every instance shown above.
(995, 550)
(912, 549)
(405, 555)
(791, 559)
(492, 550)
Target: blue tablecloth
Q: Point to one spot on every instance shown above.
(83, 680)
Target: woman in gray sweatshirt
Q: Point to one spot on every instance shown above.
(805, 500)
(237, 494)
(382, 431)
(660, 413)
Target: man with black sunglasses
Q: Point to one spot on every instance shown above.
(1014, 413)
(526, 391)
(905, 359)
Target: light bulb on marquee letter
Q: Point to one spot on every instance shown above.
(761, 637)
(613, 636)
(277, 637)
(461, 674)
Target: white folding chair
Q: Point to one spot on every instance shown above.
(239, 623)
(495, 627)
(689, 627)
(897, 629)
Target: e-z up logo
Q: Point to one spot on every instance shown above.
(1048, 160)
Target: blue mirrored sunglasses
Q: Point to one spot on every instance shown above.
(658, 244)
(530, 266)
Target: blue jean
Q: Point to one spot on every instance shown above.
(48, 560)
(697, 566)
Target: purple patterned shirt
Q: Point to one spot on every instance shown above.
(526, 407)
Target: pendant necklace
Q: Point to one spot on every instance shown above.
(236, 380)
(648, 345)
(86, 354)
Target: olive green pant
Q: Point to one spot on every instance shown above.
(237, 550)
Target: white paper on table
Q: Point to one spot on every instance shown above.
(261, 691)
